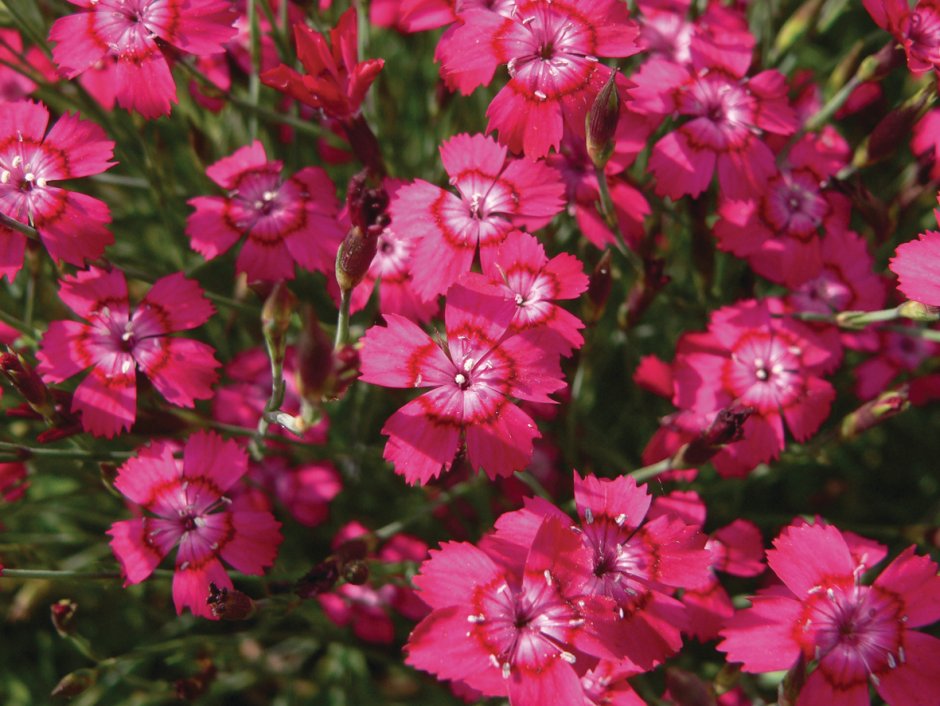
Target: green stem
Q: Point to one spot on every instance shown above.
(20, 451)
(254, 82)
(610, 218)
(342, 321)
(445, 498)
(54, 574)
(653, 470)
(14, 224)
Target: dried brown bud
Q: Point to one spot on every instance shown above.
(320, 579)
(356, 572)
(600, 123)
(75, 683)
(368, 212)
(63, 615)
(229, 605)
(314, 357)
(686, 689)
(28, 383)
(727, 427)
(599, 285)
(894, 128)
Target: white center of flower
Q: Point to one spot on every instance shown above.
(460, 379)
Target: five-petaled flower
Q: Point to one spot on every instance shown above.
(481, 365)
(283, 220)
(187, 497)
(134, 34)
(855, 633)
(72, 226)
(551, 50)
(494, 195)
(114, 341)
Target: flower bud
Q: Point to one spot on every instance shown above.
(314, 358)
(894, 128)
(368, 213)
(598, 291)
(917, 311)
(727, 427)
(320, 579)
(275, 320)
(63, 616)
(75, 683)
(687, 689)
(229, 605)
(889, 403)
(600, 123)
(28, 383)
(356, 572)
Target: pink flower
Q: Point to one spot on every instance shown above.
(305, 490)
(854, 633)
(284, 221)
(335, 80)
(917, 30)
(116, 340)
(917, 265)
(532, 281)
(551, 52)
(726, 112)
(494, 195)
(133, 33)
(481, 366)
(778, 229)
(517, 632)
(894, 353)
(390, 272)
(635, 563)
(750, 359)
(14, 85)
(72, 226)
(192, 512)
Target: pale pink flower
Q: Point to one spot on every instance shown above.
(190, 510)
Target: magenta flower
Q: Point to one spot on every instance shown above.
(192, 512)
(917, 265)
(916, 29)
(635, 563)
(133, 33)
(116, 340)
(390, 273)
(481, 366)
(551, 52)
(532, 281)
(521, 634)
(750, 359)
(854, 633)
(778, 229)
(727, 111)
(334, 80)
(72, 226)
(284, 221)
(494, 194)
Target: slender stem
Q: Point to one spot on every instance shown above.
(21, 451)
(21, 326)
(254, 82)
(653, 470)
(610, 218)
(342, 321)
(59, 574)
(445, 498)
(121, 180)
(14, 224)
